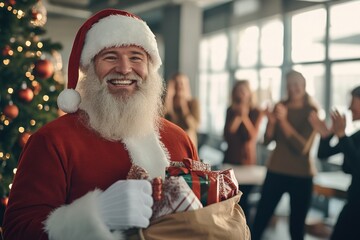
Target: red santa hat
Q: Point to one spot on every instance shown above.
(107, 28)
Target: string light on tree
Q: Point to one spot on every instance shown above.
(6, 62)
(36, 87)
(32, 122)
(10, 90)
(27, 73)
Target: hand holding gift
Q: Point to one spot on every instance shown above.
(220, 218)
(170, 195)
(126, 204)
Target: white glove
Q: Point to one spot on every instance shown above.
(126, 204)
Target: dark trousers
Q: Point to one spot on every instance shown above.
(347, 225)
(244, 200)
(275, 185)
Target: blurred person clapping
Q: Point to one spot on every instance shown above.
(180, 107)
(240, 133)
(290, 167)
(348, 145)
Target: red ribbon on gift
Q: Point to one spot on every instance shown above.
(204, 183)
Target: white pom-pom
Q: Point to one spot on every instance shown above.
(69, 100)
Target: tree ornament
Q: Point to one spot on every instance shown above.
(24, 137)
(12, 2)
(6, 50)
(11, 111)
(39, 14)
(43, 69)
(26, 94)
(4, 201)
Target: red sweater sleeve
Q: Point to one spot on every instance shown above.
(39, 187)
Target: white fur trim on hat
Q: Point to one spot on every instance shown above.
(80, 220)
(119, 30)
(69, 100)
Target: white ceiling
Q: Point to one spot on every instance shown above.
(84, 8)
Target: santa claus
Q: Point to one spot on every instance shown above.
(71, 179)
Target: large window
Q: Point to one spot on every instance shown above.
(213, 83)
(264, 40)
(308, 35)
(248, 46)
(345, 76)
(258, 51)
(309, 45)
(271, 43)
(269, 89)
(345, 30)
(323, 43)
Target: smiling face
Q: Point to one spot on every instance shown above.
(122, 68)
(182, 86)
(242, 93)
(295, 85)
(121, 93)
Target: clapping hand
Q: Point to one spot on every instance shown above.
(339, 123)
(319, 125)
(270, 115)
(281, 112)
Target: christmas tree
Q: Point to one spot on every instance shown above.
(30, 81)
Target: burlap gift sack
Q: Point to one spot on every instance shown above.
(224, 220)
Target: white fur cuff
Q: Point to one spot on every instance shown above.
(80, 220)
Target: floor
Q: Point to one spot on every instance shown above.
(318, 227)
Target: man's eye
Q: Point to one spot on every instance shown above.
(110, 57)
(136, 58)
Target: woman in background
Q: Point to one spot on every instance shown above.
(289, 168)
(346, 227)
(180, 107)
(240, 133)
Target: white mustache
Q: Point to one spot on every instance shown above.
(132, 77)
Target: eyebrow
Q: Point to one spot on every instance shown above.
(135, 52)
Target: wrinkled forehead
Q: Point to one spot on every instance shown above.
(133, 49)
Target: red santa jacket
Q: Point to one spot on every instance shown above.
(64, 161)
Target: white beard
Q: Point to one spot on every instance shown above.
(117, 118)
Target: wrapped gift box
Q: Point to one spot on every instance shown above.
(170, 195)
(228, 184)
(177, 196)
(209, 186)
(188, 185)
